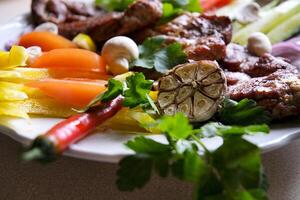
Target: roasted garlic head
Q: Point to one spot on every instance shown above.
(195, 88)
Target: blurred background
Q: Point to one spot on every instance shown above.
(11, 8)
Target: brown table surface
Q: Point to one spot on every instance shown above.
(73, 179)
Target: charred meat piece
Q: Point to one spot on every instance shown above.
(279, 93)
(202, 36)
(238, 59)
(236, 77)
(59, 11)
(100, 28)
(139, 15)
(268, 64)
(196, 89)
(207, 48)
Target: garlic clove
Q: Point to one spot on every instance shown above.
(259, 44)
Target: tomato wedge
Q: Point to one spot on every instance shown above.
(73, 92)
(213, 4)
(73, 59)
(46, 40)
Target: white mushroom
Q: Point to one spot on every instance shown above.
(248, 13)
(259, 44)
(47, 27)
(118, 52)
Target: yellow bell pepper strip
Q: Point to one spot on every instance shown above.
(16, 57)
(85, 42)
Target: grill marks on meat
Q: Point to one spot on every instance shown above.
(278, 92)
(236, 77)
(203, 37)
(141, 14)
(101, 26)
(238, 59)
(272, 82)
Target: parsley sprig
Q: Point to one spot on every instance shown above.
(233, 171)
(245, 112)
(155, 54)
(114, 5)
(171, 8)
(135, 90)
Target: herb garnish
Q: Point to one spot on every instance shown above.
(172, 8)
(233, 171)
(154, 53)
(245, 112)
(114, 5)
(135, 90)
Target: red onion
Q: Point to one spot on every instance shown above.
(289, 49)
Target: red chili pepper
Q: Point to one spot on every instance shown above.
(69, 131)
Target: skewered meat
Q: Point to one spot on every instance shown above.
(100, 26)
(196, 89)
(203, 37)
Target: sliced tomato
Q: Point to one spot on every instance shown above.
(213, 4)
(73, 92)
(73, 59)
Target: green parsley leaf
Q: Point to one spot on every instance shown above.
(134, 172)
(154, 54)
(115, 88)
(138, 88)
(236, 172)
(114, 5)
(186, 5)
(173, 8)
(190, 167)
(232, 172)
(245, 112)
(148, 146)
(239, 164)
(213, 129)
(150, 154)
(176, 127)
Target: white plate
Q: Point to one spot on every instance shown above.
(109, 147)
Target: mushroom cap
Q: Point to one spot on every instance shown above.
(196, 89)
(118, 52)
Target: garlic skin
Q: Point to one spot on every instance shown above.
(259, 44)
(47, 27)
(118, 52)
